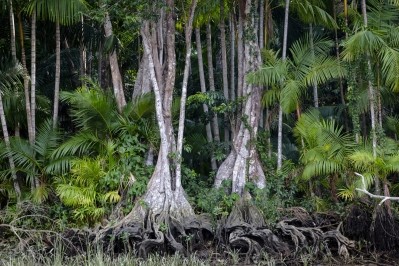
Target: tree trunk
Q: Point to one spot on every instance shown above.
(12, 29)
(33, 77)
(115, 72)
(224, 67)
(280, 110)
(209, 136)
(35, 182)
(371, 101)
(315, 91)
(83, 53)
(142, 84)
(8, 147)
(57, 73)
(183, 99)
(243, 160)
(232, 68)
(215, 122)
(26, 80)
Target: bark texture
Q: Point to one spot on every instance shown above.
(243, 161)
(57, 73)
(208, 129)
(115, 72)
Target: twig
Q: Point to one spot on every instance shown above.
(364, 190)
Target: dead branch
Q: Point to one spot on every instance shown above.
(371, 195)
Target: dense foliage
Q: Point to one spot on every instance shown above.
(91, 163)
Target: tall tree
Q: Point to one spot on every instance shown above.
(165, 199)
(280, 110)
(8, 79)
(115, 72)
(208, 129)
(243, 161)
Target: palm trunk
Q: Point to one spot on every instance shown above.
(215, 122)
(261, 46)
(315, 92)
(183, 99)
(280, 111)
(371, 101)
(240, 73)
(12, 29)
(57, 73)
(26, 80)
(35, 182)
(224, 67)
(232, 68)
(83, 53)
(115, 72)
(8, 147)
(203, 90)
(341, 82)
(33, 77)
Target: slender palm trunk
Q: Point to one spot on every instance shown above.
(371, 95)
(315, 90)
(215, 122)
(341, 82)
(26, 80)
(8, 147)
(183, 99)
(280, 110)
(232, 67)
(83, 52)
(12, 31)
(115, 72)
(208, 129)
(240, 65)
(35, 182)
(224, 67)
(261, 46)
(33, 78)
(57, 73)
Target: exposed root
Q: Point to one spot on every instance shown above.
(306, 231)
(245, 231)
(384, 230)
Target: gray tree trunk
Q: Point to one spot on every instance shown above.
(209, 136)
(142, 84)
(164, 196)
(35, 182)
(115, 72)
(243, 161)
(232, 68)
(183, 99)
(280, 110)
(26, 80)
(215, 122)
(224, 67)
(371, 95)
(57, 73)
(315, 89)
(8, 147)
(33, 77)
(12, 30)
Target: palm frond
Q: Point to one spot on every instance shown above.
(81, 143)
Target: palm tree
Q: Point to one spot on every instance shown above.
(325, 148)
(289, 79)
(9, 79)
(62, 12)
(376, 41)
